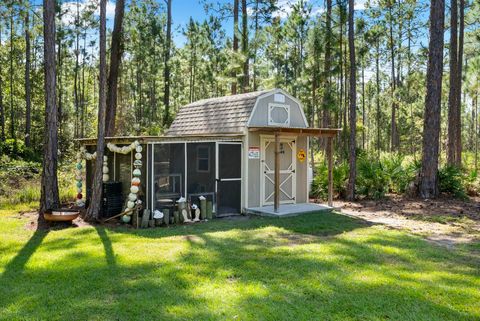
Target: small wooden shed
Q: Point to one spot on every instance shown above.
(242, 152)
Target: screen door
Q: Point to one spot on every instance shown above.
(229, 178)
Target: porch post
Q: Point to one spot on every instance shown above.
(276, 201)
(330, 170)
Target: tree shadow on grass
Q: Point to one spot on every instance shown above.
(245, 274)
(318, 224)
(17, 264)
(107, 245)
(366, 283)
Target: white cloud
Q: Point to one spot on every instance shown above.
(70, 9)
(360, 5)
(285, 7)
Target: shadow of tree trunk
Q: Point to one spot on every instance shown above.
(17, 264)
(107, 245)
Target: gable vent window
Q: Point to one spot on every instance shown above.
(278, 115)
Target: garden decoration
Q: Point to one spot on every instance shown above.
(197, 213)
(203, 207)
(61, 215)
(135, 184)
(182, 207)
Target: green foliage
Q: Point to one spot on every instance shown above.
(372, 178)
(400, 172)
(376, 176)
(17, 149)
(451, 181)
(472, 183)
(20, 182)
(320, 181)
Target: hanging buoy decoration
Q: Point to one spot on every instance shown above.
(78, 177)
(135, 184)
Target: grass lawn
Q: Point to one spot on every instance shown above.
(313, 267)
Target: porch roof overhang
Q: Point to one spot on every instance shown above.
(159, 139)
(328, 133)
(313, 132)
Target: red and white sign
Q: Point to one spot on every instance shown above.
(254, 152)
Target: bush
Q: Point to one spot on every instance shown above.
(451, 181)
(320, 181)
(16, 149)
(472, 183)
(372, 178)
(20, 182)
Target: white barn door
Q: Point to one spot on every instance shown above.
(287, 170)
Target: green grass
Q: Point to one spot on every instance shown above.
(313, 267)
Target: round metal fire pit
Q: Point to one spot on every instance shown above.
(61, 215)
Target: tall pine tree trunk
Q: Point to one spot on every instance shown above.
(395, 140)
(75, 75)
(364, 115)
(245, 78)
(49, 198)
(115, 60)
(352, 104)
(431, 128)
(255, 45)
(235, 44)
(458, 128)
(166, 96)
(327, 94)
(28, 104)
(377, 94)
(453, 102)
(12, 108)
(93, 210)
(2, 107)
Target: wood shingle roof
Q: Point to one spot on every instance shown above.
(221, 115)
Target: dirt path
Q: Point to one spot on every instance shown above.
(447, 221)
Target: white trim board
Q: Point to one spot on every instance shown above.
(273, 92)
(284, 139)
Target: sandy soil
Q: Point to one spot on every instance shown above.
(445, 221)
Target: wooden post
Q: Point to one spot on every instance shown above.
(330, 170)
(276, 201)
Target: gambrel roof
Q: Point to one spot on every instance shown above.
(221, 115)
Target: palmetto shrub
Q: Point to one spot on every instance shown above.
(372, 178)
(451, 181)
(320, 181)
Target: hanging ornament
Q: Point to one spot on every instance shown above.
(137, 163)
(135, 180)
(135, 184)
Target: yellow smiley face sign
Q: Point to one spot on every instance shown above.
(301, 155)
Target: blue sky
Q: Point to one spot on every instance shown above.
(182, 10)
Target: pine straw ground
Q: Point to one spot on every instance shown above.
(312, 267)
(445, 221)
